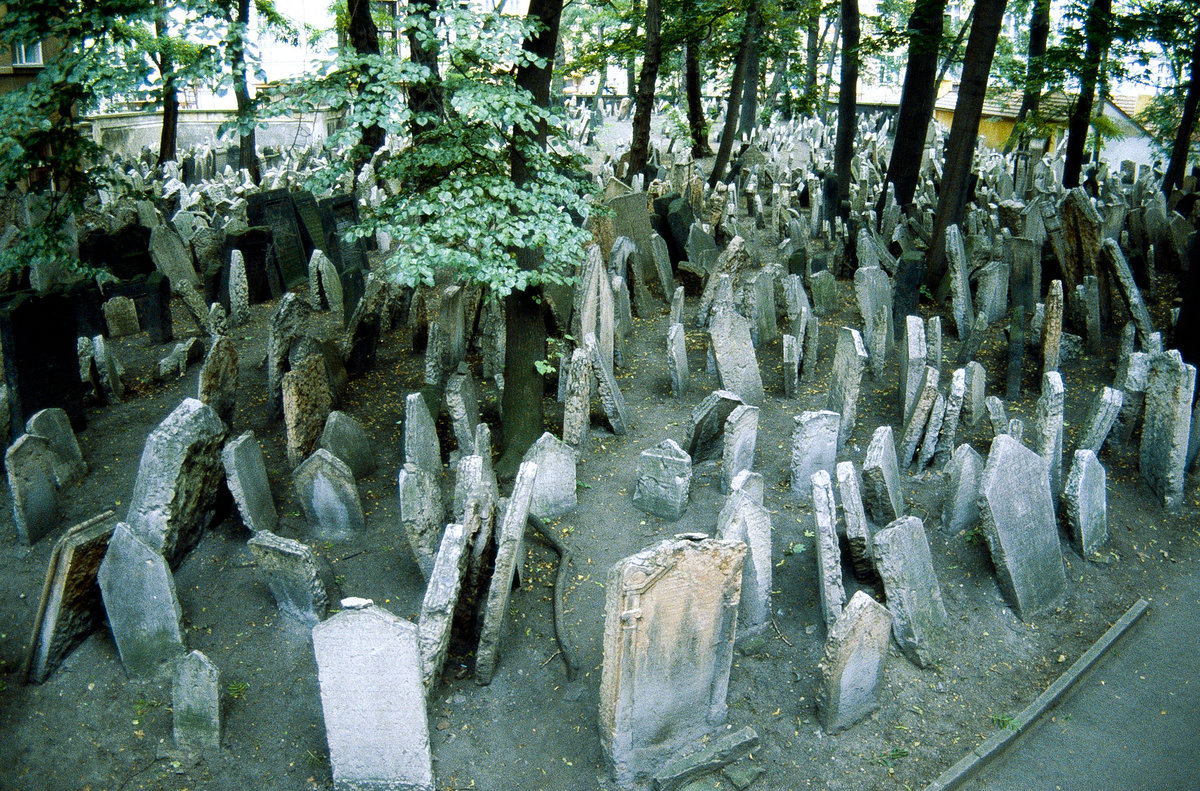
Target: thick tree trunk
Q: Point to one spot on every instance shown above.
(639, 151)
(167, 141)
(364, 38)
(843, 150)
(247, 145)
(1187, 124)
(1098, 18)
(424, 98)
(749, 113)
(697, 123)
(833, 50)
(525, 326)
(916, 100)
(964, 131)
(734, 105)
(1035, 73)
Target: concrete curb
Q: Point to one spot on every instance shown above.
(979, 757)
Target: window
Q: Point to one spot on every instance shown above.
(25, 54)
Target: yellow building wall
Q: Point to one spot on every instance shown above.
(994, 131)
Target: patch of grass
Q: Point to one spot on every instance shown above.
(974, 536)
(143, 705)
(313, 760)
(237, 689)
(1004, 721)
(889, 757)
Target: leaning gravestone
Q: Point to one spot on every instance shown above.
(373, 700)
(298, 578)
(30, 463)
(421, 447)
(441, 599)
(670, 623)
(510, 554)
(960, 509)
(740, 441)
(306, 403)
(421, 513)
(1169, 390)
(246, 476)
(139, 598)
(179, 481)
(707, 424)
(54, 426)
(219, 379)
(346, 439)
(1086, 501)
(737, 365)
(829, 553)
(196, 703)
(913, 595)
(328, 496)
(554, 489)
(849, 360)
(852, 666)
(70, 608)
(1016, 511)
(743, 519)
(882, 495)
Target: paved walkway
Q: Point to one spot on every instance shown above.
(1132, 723)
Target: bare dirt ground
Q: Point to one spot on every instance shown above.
(89, 727)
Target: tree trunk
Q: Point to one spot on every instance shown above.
(1035, 73)
(847, 102)
(167, 141)
(525, 326)
(749, 113)
(1098, 17)
(812, 57)
(1187, 124)
(833, 50)
(424, 97)
(734, 105)
(639, 151)
(631, 62)
(247, 146)
(964, 131)
(778, 80)
(601, 81)
(364, 38)
(916, 101)
(697, 123)
(952, 55)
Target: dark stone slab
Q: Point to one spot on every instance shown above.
(274, 209)
(906, 289)
(41, 367)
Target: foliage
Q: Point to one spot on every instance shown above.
(451, 203)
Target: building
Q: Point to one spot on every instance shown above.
(21, 63)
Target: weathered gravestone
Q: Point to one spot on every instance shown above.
(1169, 390)
(219, 379)
(275, 210)
(510, 554)
(873, 289)
(54, 426)
(179, 481)
(740, 441)
(306, 403)
(677, 360)
(120, 314)
(346, 439)
(912, 362)
(328, 496)
(737, 365)
(670, 623)
(463, 406)
(882, 494)
(814, 447)
(172, 257)
(913, 595)
(554, 489)
(373, 700)
(246, 476)
(421, 512)
(849, 360)
(856, 528)
(141, 604)
(743, 519)
(852, 665)
(1016, 513)
(706, 426)
(196, 703)
(29, 463)
(70, 608)
(1086, 500)
(611, 397)
(960, 509)
(829, 554)
(299, 579)
(577, 401)
(664, 480)
(1100, 420)
(441, 599)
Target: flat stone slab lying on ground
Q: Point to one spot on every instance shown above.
(246, 476)
(373, 700)
(914, 597)
(721, 751)
(299, 579)
(141, 603)
(852, 665)
(670, 623)
(70, 608)
(1016, 512)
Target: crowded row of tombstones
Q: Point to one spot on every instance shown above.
(657, 244)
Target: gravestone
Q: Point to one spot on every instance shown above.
(1052, 328)
(882, 494)
(1016, 513)
(463, 405)
(346, 439)
(172, 257)
(576, 403)
(196, 703)
(912, 363)
(510, 555)
(955, 399)
(974, 399)
(873, 289)
(554, 488)
(421, 446)
(829, 554)
(743, 519)
(664, 478)
(677, 360)
(852, 665)
(306, 403)
(1169, 390)
(299, 579)
(814, 447)
(849, 360)
(239, 289)
(109, 370)
(857, 529)
(960, 288)
(219, 379)
(740, 438)
(1100, 420)
(1048, 439)
(441, 599)
(1086, 499)
(707, 424)
(29, 463)
(141, 604)
(737, 365)
(960, 509)
(373, 699)
(246, 476)
(327, 494)
(179, 479)
(933, 429)
(288, 324)
(41, 366)
(70, 608)
(914, 597)
(670, 623)
(422, 514)
(120, 315)
(919, 417)
(274, 209)
(611, 398)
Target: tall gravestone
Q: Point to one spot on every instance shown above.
(814, 447)
(852, 665)
(670, 623)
